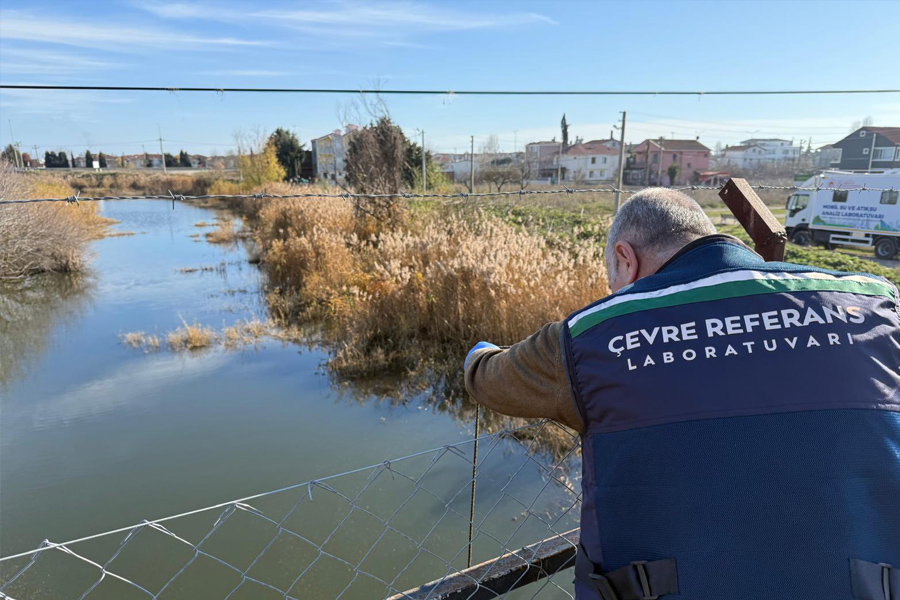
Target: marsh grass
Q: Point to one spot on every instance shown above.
(225, 233)
(142, 341)
(432, 283)
(45, 237)
(191, 337)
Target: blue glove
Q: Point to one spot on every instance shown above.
(479, 346)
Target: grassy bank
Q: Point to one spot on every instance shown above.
(47, 237)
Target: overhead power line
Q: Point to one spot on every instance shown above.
(124, 88)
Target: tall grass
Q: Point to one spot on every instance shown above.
(439, 280)
(46, 237)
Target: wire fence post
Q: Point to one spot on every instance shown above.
(474, 475)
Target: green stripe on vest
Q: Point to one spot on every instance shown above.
(733, 289)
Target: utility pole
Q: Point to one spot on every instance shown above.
(35, 157)
(659, 167)
(472, 165)
(621, 163)
(17, 154)
(71, 159)
(162, 155)
(559, 164)
(145, 155)
(424, 187)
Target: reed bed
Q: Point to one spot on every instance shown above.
(432, 282)
(49, 237)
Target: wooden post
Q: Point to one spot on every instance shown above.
(501, 575)
(765, 230)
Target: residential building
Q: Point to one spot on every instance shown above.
(590, 162)
(541, 159)
(869, 148)
(329, 154)
(775, 150)
(759, 152)
(650, 161)
(743, 157)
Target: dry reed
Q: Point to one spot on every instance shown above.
(190, 337)
(141, 340)
(43, 237)
(444, 280)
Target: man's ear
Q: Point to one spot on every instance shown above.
(629, 265)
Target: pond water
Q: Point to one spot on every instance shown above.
(95, 435)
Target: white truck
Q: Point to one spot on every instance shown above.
(848, 209)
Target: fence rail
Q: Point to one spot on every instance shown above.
(376, 531)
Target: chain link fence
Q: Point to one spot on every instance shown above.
(376, 532)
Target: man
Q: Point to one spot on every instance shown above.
(740, 420)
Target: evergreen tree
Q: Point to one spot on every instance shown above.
(170, 160)
(184, 159)
(289, 151)
(10, 155)
(88, 159)
(63, 162)
(565, 132)
(102, 161)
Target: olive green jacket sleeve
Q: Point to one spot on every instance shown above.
(527, 379)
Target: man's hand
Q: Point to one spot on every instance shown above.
(478, 346)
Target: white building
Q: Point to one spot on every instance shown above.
(329, 154)
(758, 152)
(589, 162)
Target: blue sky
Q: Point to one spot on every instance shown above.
(442, 45)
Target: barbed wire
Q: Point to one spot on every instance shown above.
(419, 92)
(461, 196)
(548, 504)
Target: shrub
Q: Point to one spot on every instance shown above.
(46, 236)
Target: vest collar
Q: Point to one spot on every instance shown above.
(726, 250)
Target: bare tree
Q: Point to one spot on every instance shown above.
(867, 122)
(497, 169)
(375, 160)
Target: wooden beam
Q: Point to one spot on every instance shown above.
(503, 574)
(764, 228)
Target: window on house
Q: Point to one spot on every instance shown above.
(674, 157)
(604, 160)
(883, 154)
(591, 175)
(689, 165)
(839, 196)
(889, 196)
(655, 158)
(862, 133)
(593, 160)
(865, 151)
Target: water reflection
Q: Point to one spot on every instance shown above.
(31, 309)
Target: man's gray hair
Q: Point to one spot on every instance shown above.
(657, 222)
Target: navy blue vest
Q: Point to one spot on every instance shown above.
(743, 423)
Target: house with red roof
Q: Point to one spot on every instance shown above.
(651, 159)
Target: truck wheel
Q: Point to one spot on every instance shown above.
(886, 248)
(802, 237)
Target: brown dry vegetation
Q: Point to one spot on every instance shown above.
(439, 278)
(141, 340)
(47, 236)
(190, 337)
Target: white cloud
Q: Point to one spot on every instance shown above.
(63, 105)
(106, 36)
(246, 72)
(41, 62)
(354, 20)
